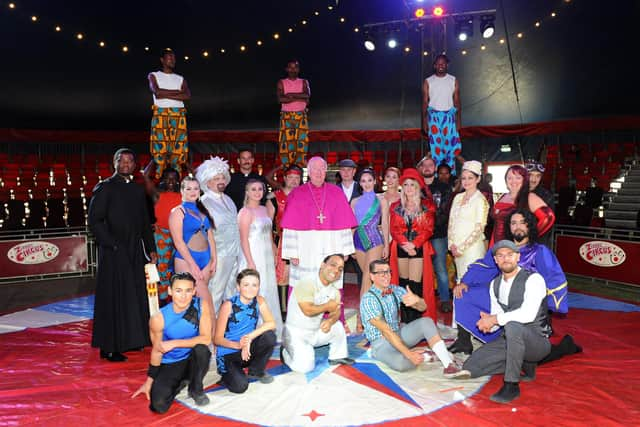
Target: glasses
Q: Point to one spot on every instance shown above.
(383, 272)
(535, 167)
(508, 255)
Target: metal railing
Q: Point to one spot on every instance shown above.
(624, 234)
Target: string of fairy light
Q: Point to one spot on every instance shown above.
(189, 54)
(274, 37)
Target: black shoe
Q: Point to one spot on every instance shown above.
(570, 344)
(342, 361)
(445, 306)
(458, 347)
(507, 393)
(200, 399)
(113, 357)
(264, 378)
(528, 371)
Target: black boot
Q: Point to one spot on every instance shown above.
(528, 371)
(462, 344)
(412, 314)
(566, 347)
(507, 393)
(113, 356)
(405, 314)
(284, 294)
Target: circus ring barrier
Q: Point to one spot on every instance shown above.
(31, 255)
(600, 254)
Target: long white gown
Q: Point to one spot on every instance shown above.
(262, 254)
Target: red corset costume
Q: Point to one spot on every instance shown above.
(420, 233)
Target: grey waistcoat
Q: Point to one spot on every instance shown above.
(516, 297)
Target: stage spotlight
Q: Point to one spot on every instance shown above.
(392, 43)
(464, 28)
(419, 13)
(369, 44)
(438, 11)
(487, 26)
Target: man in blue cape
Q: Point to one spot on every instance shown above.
(472, 293)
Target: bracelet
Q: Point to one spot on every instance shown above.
(153, 371)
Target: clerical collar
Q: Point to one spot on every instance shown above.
(125, 178)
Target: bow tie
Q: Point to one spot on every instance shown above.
(387, 291)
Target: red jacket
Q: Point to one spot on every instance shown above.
(423, 228)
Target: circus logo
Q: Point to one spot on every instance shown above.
(33, 252)
(602, 254)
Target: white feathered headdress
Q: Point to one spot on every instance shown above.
(210, 168)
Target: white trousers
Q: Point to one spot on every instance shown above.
(299, 344)
(223, 284)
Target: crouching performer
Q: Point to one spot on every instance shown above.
(240, 342)
(519, 305)
(180, 333)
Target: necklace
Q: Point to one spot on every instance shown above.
(320, 208)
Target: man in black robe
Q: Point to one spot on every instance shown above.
(119, 219)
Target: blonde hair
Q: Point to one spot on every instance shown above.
(246, 189)
(416, 199)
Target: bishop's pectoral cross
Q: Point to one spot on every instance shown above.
(321, 218)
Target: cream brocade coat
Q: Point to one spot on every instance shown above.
(466, 229)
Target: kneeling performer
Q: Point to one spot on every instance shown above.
(180, 333)
(240, 341)
(307, 326)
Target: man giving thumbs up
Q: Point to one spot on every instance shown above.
(390, 342)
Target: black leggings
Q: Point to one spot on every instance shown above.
(167, 384)
(234, 377)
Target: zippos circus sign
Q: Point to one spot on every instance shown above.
(38, 257)
(602, 254)
(33, 252)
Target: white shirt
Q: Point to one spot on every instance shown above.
(169, 81)
(534, 292)
(314, 291)
(348, 191)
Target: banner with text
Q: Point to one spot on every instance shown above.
(599, 258)
(56, 255)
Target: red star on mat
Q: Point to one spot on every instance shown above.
(313, 415)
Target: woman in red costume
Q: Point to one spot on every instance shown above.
(411, 225)
(517, 179)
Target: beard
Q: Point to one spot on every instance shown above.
(519, 237)
(508, 268)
